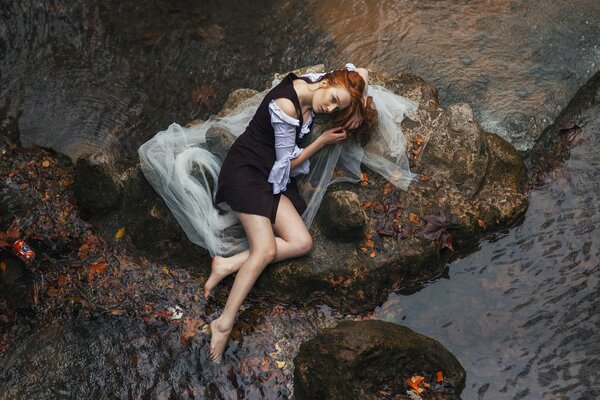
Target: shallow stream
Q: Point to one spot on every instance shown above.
(521, 313)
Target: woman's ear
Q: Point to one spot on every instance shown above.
(324, 83)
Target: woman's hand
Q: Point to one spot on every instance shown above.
(333, 135)
(355, 120)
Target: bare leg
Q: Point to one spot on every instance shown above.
(263, 250)
(293, 241)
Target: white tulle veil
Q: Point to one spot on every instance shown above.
(182, 169)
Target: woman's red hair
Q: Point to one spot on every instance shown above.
(355, 84)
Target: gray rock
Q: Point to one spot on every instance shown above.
(97, 187)
(341, 216)
(354, 360)
(462, 170)
(9, 133)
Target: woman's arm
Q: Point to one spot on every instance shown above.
(330, 136)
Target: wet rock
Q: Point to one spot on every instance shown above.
(219, 140)
(16, 283)
(554, 144)
(462, 171)
(9, 133)
(341, 216)
(97, 188)
(236, 98)
(355, 360)
(13, 204)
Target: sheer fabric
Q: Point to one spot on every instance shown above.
(184, 171)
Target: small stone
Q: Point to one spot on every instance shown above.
(341, 216)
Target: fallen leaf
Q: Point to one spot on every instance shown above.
(373, 254)
(481, 223)
(424, 177)
(95, 269)
(367, 204)
(364, 179)
(190, 329)
(280, 364)
(414, 218)
(264, 364)
(120, 233)
(387, 189)
(203, 95)
(46, 163)
(419, 140)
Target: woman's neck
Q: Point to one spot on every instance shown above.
(305, 92)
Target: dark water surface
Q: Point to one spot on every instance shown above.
(521, 314)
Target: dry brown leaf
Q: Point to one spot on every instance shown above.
(387, 188)
(424, 177)
(367, 204)
(414, 218)
(373, 254)
(190, 329)
(364, 179)
(481, 223)
(46, 163)
(264, 364)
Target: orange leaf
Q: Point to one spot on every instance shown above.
(95, 269)
(424, 177)
(264, 363)
(364, 179)
(46, 163)
(481, 223)
(414, 218)
(369, 243)
(190, 328)
(363, 249)
(367, 204)
(419, 140)
(387, 189)
(438, 185)
(373, 254)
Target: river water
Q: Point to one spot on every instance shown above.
(521, 313)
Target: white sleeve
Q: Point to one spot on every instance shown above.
(285, 149)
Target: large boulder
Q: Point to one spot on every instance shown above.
(369, 239)
(360, 360)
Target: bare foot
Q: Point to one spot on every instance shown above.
(219, 269)
(218, 340)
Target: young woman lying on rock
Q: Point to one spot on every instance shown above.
(256, 184)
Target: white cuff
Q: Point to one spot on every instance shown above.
(280, 173)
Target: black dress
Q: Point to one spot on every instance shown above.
(243, 178)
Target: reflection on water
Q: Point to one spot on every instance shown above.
(85, 75)
(521, 314)
(517, 62)
(88, 75)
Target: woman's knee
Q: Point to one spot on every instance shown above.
(266, 253)
(304, 244)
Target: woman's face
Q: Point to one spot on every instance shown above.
(329, 99)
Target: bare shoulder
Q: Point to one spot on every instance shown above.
(287, 107)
